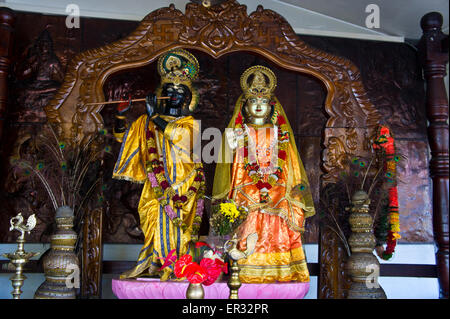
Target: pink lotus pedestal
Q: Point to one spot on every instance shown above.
(153, 288)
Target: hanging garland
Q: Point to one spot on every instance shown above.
(163, 189)
(251, 163)
(389, 222)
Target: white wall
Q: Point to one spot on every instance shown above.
(303, 21)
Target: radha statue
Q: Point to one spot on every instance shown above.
(259, 168)
(157, 151)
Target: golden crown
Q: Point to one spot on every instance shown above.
(258, 81)
(179, 67)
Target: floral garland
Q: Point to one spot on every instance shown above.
(162, 187)
(385, 142)
(253, 168)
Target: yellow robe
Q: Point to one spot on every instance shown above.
(174, 147)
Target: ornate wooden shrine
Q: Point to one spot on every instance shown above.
(217, 31)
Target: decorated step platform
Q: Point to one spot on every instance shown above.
(153, 288)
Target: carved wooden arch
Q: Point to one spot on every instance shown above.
(219, 30)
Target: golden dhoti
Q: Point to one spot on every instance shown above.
(174, 148)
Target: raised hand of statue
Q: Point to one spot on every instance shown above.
(122, 108)
(120, 123)
(150, 104)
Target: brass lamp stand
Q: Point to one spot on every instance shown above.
(231, 249)
(19, 258)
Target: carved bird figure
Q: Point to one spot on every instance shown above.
(236, 254)
(18, 224)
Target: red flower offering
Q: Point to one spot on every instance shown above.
(181, 266)
(212, 270)
(222, 265)
(207, 272)
(196, 274)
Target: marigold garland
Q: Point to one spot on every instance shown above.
(163, 189)
(385, 143)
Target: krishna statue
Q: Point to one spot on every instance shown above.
(259, 168)
(157, 150)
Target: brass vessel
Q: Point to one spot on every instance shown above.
(61, 265)
(362, 266)
(195, 291)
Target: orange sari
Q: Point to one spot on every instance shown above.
(279, 254)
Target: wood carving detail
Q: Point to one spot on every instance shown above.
(391, 75)
(333, 282)
(92, 253)
(217, 30)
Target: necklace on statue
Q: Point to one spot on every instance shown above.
(263, 179)
(261, 150)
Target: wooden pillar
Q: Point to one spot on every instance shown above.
(7, 21)
(433, 50)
